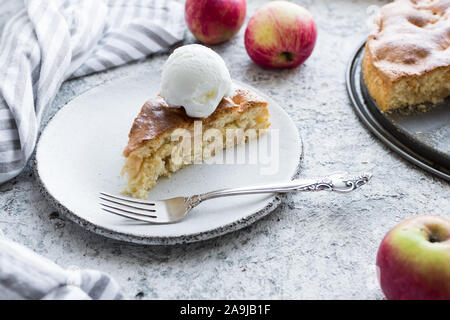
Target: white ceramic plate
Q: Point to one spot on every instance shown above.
(79, 154)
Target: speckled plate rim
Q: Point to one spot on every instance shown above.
(374, 126)
(156, 240)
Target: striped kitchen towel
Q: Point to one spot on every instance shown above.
(26, 275)
(50, 41)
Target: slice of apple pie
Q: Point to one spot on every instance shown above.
(160, 140)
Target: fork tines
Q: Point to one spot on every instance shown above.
(128, 208)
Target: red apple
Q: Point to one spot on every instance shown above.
(280, 34)
(413, 260)
(215, 21)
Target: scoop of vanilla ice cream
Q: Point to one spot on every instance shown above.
(196, 78)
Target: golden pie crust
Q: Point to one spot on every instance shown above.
(407, 56)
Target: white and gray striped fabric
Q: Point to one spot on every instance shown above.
(50, 41)
(26, 275)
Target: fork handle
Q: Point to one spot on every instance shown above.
(336, 182)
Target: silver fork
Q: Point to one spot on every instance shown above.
(174, 209)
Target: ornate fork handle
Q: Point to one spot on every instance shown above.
(337, 183)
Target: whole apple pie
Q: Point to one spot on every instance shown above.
(407, 58)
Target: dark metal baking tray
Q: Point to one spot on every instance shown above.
(420, 137)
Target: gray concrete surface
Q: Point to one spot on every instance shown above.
(315, 246)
